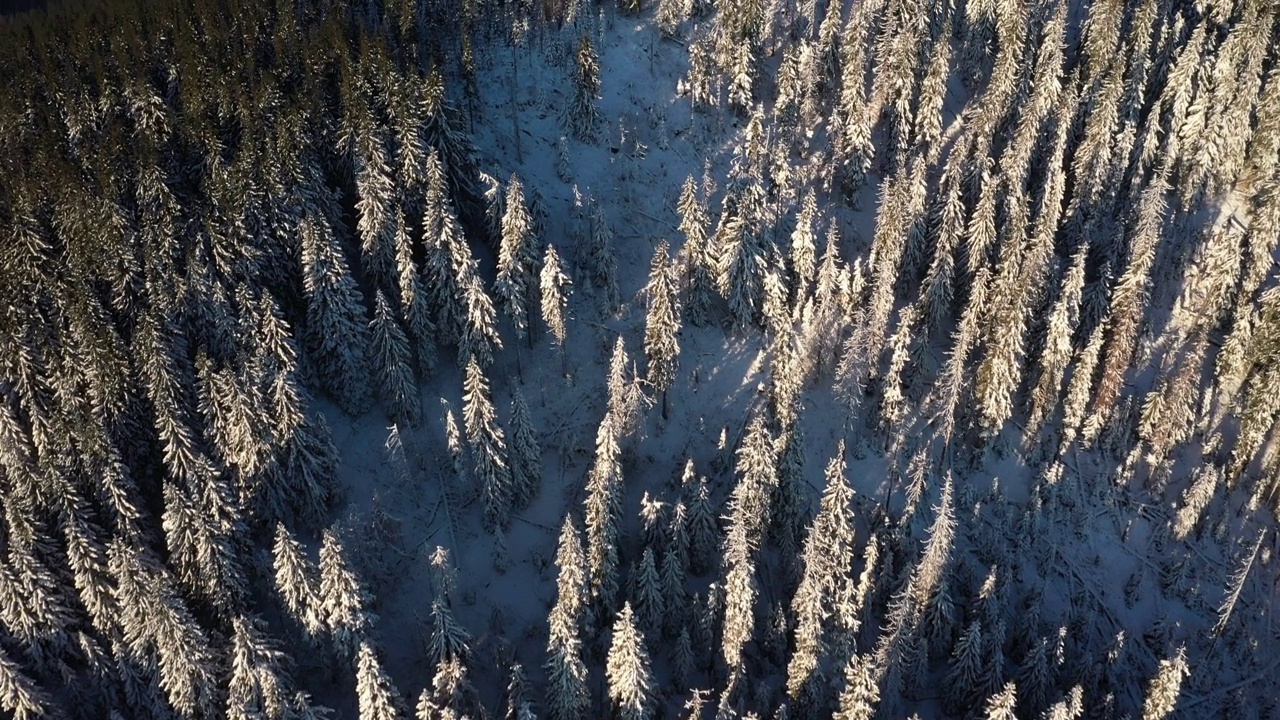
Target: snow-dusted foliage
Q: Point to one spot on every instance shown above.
(1006, 268)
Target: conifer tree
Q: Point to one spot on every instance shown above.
(390, 356)
(556, 286)
(965, 672)
(415, 309)
(1001, 706)
(335, 333)
(526, 455)
(698, 279)
(1056, 353)
(488, 449)
(861, 693)
(259, 686)
(625, 396)
(20, 695)
(739, 595)
(803, 248)
(828, 554)
(517, 258)
(704, 532)
(671, 580)
(376, 695)
(584, 114)
(297, 581)
(598, 259)
(343, 598)
(646, 592)
(568, 697)
(449, 640)
(662, 325)
(603, 511)
(631, 684)
(739, 259)
(1162, 693)
(375, 189)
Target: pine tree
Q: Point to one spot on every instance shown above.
(343, 598)
(488, 449)
(571, 584)
(662, 325)
(517, 258)
(740, 594)
(526, 456)
(584, 114)
(739, 259)
(671, 579)
(479, 337)
(390, 356)
(631, 685)
(1162, 693)
(556, 287)
(376, 695)
(335, 332)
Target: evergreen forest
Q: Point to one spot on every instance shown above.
(640, 360)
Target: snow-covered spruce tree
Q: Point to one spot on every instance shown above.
(597, 257)
(631, 683)
(415, 309)
(440, 232)
(945, 397)
(704, 532)
(390, 355)
(852, 150)
(567, 694)
(526, 455)
(1056, 351)
(739, 596)
(449, 642)
(1129, 298)
(739, 255)
(603, 512)
(365, 142)
(344, 601)
(1003, 704)
(803, 250)
(156, 622)
(19, 693)
(336, 334)
(698, 280)
(790, 500)
(861, 691)
(488, 448)
(376, 695)
(828, 555)
(625, 396)
(965, 671)
(297, 581)
(662, 324)
(672, 578)
(259, 685)
(584, 114)
(556, 286)
(1162, 693)
(517, 258)
(646, 593)
(479, 336)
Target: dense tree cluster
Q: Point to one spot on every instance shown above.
(1006, 266)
